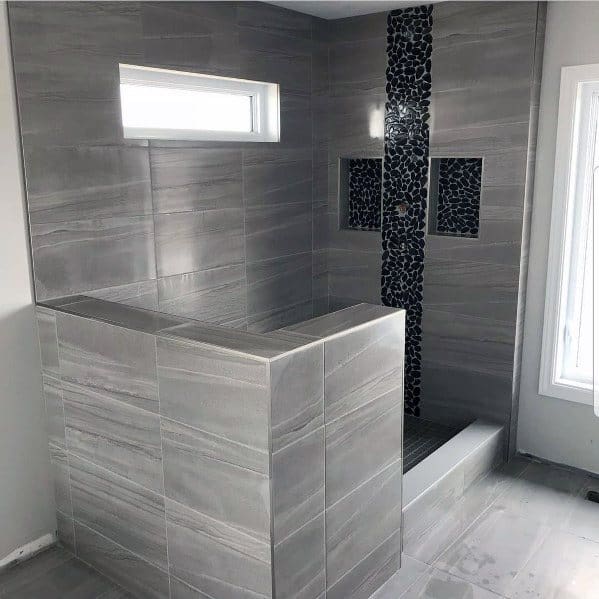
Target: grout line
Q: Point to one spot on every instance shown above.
(168, 563)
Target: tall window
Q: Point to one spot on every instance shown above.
(163, 104)
(567, 357)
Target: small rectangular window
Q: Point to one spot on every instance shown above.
(163, 104)
(567, 356)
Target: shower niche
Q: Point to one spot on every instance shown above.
(360, 193)
(454, 196)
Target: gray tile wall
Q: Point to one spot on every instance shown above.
(192, 458)
(355, 63)
(218, 232)
(482, 70)
(363, 427)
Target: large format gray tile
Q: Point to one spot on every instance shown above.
(92, 254)
(458, 65)
(360, 522)
(142, 294)
(297, 395)
(259, 346)
(494, 549)
(297, 484)
(362, 443)
(65, 529)
(54, 410)
(217, 391)
(471, 289)
(188, 242)
(68, 86)
(124, 567)
(544, 494)
(271, 320)
(59, 464)
(216, 295)
(121, 315)
(364, 365)
(461, 23)
(191, 179)
(117, 363)
(299, 563)
(485, 345)
(411, 570)
(458, 395)
(433, 520)
(276, 285)
(280, 230)
(296, 25)
(71, 579)
(358, 66)
(371, 573)
(73, 184)
(114, 435)
(214, 557)
(583, 520)
(189, 36)
(436, 584)
(120, 510)
(565, 566)
(267, 55)
(12, 578)
(342, 320)
(355, 275)
(202, 472)
(46, 330)
(273, 175)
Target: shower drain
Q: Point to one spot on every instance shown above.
(593, 496)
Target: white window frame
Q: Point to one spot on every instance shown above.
(265, 104)
(563, 218)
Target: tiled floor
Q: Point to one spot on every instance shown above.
(531, 535)
(57, 574)
(422, 437)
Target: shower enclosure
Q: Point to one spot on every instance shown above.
(260, 358)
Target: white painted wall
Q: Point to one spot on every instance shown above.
(26, 497)
(554, 429)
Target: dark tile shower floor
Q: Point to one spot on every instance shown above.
(421, 438)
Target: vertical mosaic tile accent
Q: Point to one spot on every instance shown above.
(458, 203)
(405, 173)
(364, 193)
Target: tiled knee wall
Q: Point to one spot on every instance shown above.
(183, 470)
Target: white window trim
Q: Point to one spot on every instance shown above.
(561, 220)
(265, 103)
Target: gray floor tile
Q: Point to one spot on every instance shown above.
(583, 520)
(411, 570)
(69, 580)
(563, 567)
(436, 584)
(37, 567)
(492, 552)
(544, 494)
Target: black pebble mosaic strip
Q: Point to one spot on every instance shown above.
(458, 204)
(405, 174)
(364, 191)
